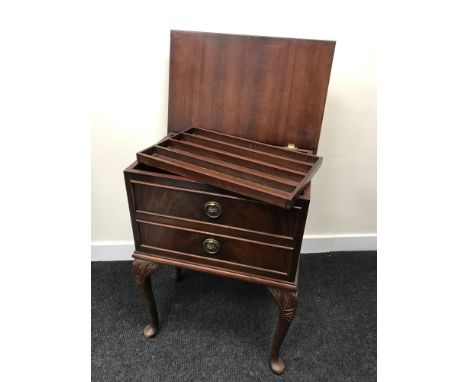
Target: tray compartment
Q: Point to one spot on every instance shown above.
(277, 150)
(226, 156)
(246, 152)
(275, 175)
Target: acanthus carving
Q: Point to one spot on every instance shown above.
(287, 302)
(141, 270)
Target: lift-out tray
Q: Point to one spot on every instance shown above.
(272, 174)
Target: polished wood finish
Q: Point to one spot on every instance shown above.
(287, 305)
(221, 193)
(170, 222)
(154, 196)
(141, 270)
(161, 258)
(235, 253)
(208, 157)
(267, 89)
(213, 229)
(260, 243)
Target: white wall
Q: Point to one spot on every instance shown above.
(130, 100)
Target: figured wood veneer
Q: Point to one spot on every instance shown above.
(169, 224)
(267, 89)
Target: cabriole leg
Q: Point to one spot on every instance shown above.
(141, 270)
(287, 305)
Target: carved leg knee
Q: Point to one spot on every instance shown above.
(141, 270)
(287, 305)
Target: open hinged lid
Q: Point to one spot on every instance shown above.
(267, 89)
(235, 103)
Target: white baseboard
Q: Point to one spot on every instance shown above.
(122, 250)
(111, 250)
(334, 243)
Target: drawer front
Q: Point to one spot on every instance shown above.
(214, 208)
(213, 249)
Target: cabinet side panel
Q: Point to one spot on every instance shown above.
(131, 206)
(299, 235)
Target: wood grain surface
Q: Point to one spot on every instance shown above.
(271, 90)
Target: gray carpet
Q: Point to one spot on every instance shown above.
(217, 329)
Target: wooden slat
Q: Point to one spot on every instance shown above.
(238, 159)
(247, 170)
(225, 167)
(250, 153)
(300, 187)
(227, 182)
(276, 150)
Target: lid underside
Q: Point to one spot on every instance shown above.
(267, 89)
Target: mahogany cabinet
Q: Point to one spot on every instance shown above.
(227, 190)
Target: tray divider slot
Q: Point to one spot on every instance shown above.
(250, 153)
(225, 156)
(273, 175)
(263, 147)
(226, 168)
(245, 187)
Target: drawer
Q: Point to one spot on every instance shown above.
(218, 247)
(214, 207)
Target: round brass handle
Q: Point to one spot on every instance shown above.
(213, 209)
(211, 246)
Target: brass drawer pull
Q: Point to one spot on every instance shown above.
(211, 246)
(213, 209)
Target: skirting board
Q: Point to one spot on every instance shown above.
(122, 250)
